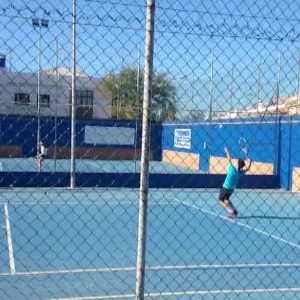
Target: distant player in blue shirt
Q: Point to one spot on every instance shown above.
(230, 184)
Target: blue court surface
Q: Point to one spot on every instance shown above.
(81, 244)
(90, 165)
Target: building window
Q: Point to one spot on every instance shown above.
(45, 101)
(22, 99)
(84, 98)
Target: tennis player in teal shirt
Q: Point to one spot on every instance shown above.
(230, 184)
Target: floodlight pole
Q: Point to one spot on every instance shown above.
(73, 100)
(39, 23)
(231, 93)
(298, 82)
(135, 110)
(277, 122)
(258, 82)
(56, 102)
(39, 93)
(211, 86)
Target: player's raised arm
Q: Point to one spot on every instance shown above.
(228, 155)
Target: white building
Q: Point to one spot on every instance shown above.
(18, 94)
(286, 106)
(292, 104)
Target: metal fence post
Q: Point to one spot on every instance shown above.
(142, 222)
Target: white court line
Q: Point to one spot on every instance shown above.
(155, 268)
(107, 203)
(72, 203)
(213, 267)
(125, 296)
(9, 240)
(187, 293)
(240, 224)
(75, 271)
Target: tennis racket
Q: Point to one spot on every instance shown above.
(244, 146)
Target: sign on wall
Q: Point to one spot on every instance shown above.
(182, 138)
(109, 135)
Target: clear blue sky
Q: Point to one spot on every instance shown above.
(240, 33)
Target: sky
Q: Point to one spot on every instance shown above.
(252, 44)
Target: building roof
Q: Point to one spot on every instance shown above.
(64, 72)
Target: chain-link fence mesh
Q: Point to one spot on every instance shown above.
(225, 74)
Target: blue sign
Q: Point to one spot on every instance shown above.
(182, 138)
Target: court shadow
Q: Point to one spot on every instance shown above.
(269, 217)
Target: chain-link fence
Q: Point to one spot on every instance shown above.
(114, 119)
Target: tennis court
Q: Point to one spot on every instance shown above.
(81, 244)
(90, 166)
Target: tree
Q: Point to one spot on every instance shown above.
(127, 102)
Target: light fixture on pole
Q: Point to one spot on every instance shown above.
(39, 23)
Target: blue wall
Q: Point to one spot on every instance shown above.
(271, 140)
(210, 139)
(289, 149)
(22, 131)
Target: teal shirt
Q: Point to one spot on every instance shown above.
(232, 178)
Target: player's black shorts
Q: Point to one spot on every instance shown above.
(42, 156)
(225, 194)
